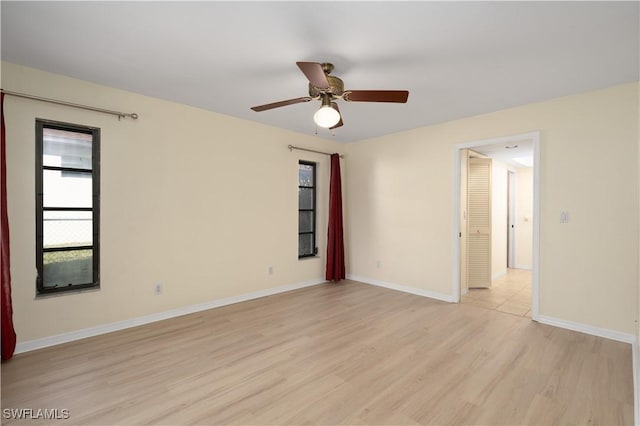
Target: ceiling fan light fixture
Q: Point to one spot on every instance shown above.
(326, 117)
(326, 87)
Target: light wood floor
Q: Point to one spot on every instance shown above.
(345, 353)
(511, 293)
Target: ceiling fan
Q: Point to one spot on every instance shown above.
(328, 88)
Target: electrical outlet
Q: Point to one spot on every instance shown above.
(270, 270)
(378, 263)
(564, 217)
(157, 289)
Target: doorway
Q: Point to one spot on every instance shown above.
(514, 261)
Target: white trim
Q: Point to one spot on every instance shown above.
(455, 291)
(589, 329)
(636, 383)
(525, 267)
(58, 339)
(535, 138)
(405, 289)
(535, 253)
(512, 178)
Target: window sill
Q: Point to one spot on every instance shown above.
(310, 257)
(65, 293)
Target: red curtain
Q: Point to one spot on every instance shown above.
(8, 334)
(335, 239)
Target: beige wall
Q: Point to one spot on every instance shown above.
(499, 216)
(401, 203)
(199, 201)
(524, 218)
(202, 202)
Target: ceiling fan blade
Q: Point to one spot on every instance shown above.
(340, 123)
(314, 73)
(281, 103)
(398, 96)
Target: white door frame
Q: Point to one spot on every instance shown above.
(511, 217)
(535, 138)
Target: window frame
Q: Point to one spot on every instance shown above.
(313, 209)
(40, 168)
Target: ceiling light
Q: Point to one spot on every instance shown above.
(511, 146)
(326, 116)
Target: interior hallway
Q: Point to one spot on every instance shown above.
(510, 293)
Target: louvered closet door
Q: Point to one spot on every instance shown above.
(479, 223)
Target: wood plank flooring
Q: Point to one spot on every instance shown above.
(346, 353)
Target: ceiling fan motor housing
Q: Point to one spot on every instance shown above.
(336, 87)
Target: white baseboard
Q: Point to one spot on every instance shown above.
(636, 384)
(57, 339)
(405, 289)
(526, 267)
(589, 329)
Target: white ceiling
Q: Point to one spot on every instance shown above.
(457, 59)
(517, 148)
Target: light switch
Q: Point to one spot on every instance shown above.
(564, 217)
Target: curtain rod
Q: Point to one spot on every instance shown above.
(291, 147)
(70, 104)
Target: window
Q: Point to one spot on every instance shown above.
(307, 209)
(67, 206)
